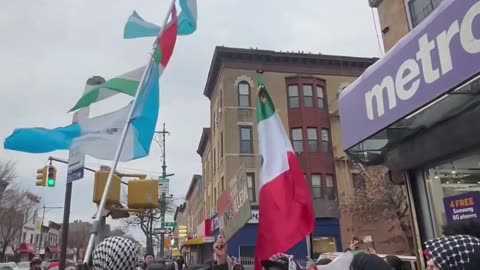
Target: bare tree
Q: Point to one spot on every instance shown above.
(14, 207)
(78, 239)
(149, 219)
(380, 201)
(8, 171)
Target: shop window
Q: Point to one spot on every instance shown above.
(251, 187)
(420, 9)
(317, 186)
(297, 138)
(331, 190)
(307, 96)
(312, 139)
(325, 140)
(293, 99)
(323, 245)
(358, 181)
(246, 146)
(243, 94)
(320, 97)
(453, 188)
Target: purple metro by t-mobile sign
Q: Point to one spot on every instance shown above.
(438, 55)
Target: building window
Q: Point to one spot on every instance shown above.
(358, 181)
(320, 97)
(31, 239)
(215, 196)
(312, 139)
(246, 146)
(243, 94)
(317, 186)
(24, 238)
(251, 186)
(223, 184)
(297, 139)
(331, 191)
(221, 143)
(293, 99)
(325, 140)
(307, 96)
(420, 9)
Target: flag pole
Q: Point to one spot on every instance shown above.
(308, 241)
(101, 206)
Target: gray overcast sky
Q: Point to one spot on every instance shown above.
(48, 48)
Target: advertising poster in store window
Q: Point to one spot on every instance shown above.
(461, 207)
(233, 206)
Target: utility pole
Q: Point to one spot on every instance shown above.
(163, 197)
(41, 224)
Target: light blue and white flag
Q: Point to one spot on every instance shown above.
(137, 27)
(99, 136)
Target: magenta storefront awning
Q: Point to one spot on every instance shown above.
(437, 56)
(26, 248)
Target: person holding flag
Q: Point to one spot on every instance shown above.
(286, 214)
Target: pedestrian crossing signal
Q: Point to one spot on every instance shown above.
(51, 176)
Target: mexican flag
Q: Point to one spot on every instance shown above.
(286, 214)
(128, 83)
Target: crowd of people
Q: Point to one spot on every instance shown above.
(458, 249)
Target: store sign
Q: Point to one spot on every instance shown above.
(234, 206)
(215, 223)
(464, 206)
(437, 56)
(254, 219)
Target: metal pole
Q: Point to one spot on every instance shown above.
(120, 146)
(66, 221)
(41, 230)
(163, 203)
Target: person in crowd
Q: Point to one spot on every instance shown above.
(36, 263)
(156, 266)
(324, 261)
(279, 261)
(115, 253)
(395, 262)
(463, 227)
(238, 266)
(149, 259)
(365, 261)
(181, 262)
(454, 252)
(170, 265)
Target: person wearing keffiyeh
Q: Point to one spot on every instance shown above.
(457, 252)
(279, 261)
(115, 253)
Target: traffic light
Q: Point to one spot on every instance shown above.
(182, 231)
(51, 176)
(41, 177)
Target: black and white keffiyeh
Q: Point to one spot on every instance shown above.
(115, 253)
(453, 252)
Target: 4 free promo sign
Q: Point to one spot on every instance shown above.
(463, 206)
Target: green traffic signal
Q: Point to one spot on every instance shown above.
(51, 183)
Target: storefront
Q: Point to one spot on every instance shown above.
(417, 110)
(198, 248)
(326, 238)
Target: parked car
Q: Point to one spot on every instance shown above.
(23, 265)
(9, 266)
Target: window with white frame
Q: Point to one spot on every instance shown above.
(317, 186)
(297, 139)
(420, 9)
(331, 191)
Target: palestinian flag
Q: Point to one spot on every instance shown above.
(286, 214)
(128, 82)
